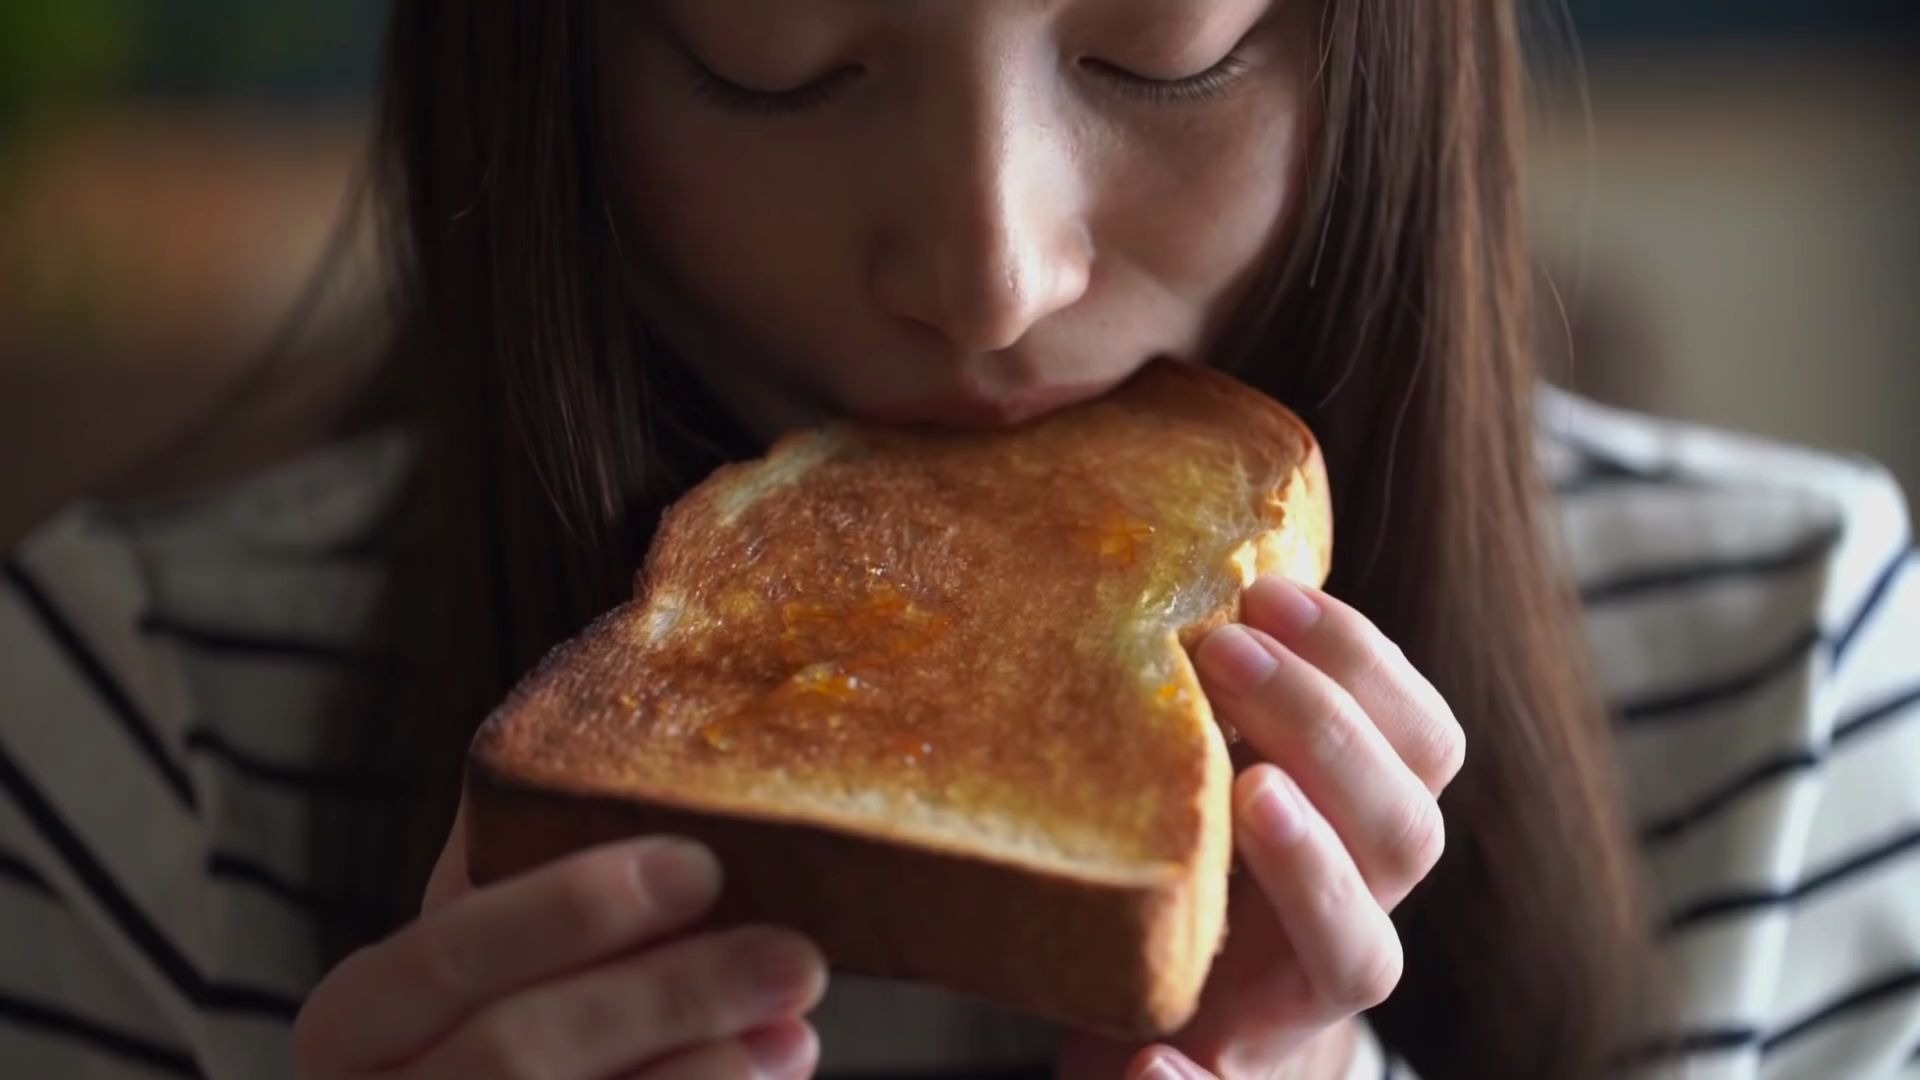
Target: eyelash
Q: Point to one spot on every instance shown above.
(1203, 86)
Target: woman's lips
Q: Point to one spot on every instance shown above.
(978, 408)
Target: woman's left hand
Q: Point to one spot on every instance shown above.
(1336, 825)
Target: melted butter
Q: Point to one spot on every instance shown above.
(721, 734)
(1116, 537)
(884, 624)
(823, 681)
(844, 649)
(835, 646)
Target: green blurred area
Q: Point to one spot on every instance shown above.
(60, 52)
(56, 54)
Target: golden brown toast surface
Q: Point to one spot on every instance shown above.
(981, 623)
(969, 643)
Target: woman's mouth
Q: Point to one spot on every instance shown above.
(986, 407)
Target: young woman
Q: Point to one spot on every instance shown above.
(636, 239)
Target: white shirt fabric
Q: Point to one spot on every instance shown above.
(1755, 610)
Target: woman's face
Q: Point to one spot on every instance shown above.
(951, 211)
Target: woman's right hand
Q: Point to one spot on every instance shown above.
(574, 970)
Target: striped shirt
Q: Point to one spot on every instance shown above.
(1755, 610)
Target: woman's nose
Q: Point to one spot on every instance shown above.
(988, 236)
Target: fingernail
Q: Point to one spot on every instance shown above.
(1281, 607)
(1276, 810)
(782, 971)
(1231, 659)
(678, 876)
(781, 1050)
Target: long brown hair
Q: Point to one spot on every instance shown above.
(555, 429)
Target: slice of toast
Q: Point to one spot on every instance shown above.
(927, 694)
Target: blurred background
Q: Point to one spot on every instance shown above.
(1731, 213)
(1727, 199)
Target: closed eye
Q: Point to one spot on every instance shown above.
(1201, 86)
(724, 92)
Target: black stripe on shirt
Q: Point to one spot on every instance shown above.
(1706, 807)
(91, 668)
(306, 780)
(1852, 865)
(1895, 985)
(1877, 595)
(1888, 710)
(1721, 1040)
(96, 1036)
(256, 645)
(1787, 762)
(1684, 575)
(1691, 1044)
(146, 937)
(18, 870)
(1677, 704)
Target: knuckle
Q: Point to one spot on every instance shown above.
(1330, 901)
(1368, 659)
(1419, 840)
(1371, 981)
(1332, 734)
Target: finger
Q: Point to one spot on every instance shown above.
(1343, 940)
(787, 1049)
(1337, 639)
(1298, 717)
(614, 1018)
(449, 878)
(1165, 1063)
(387, 1001)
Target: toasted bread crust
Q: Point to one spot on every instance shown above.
(1102, 955)
(974, 685)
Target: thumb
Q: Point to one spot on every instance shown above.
(449, 878)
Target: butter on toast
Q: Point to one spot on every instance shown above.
(927, 694)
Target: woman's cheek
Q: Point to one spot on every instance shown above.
(1207, 203)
